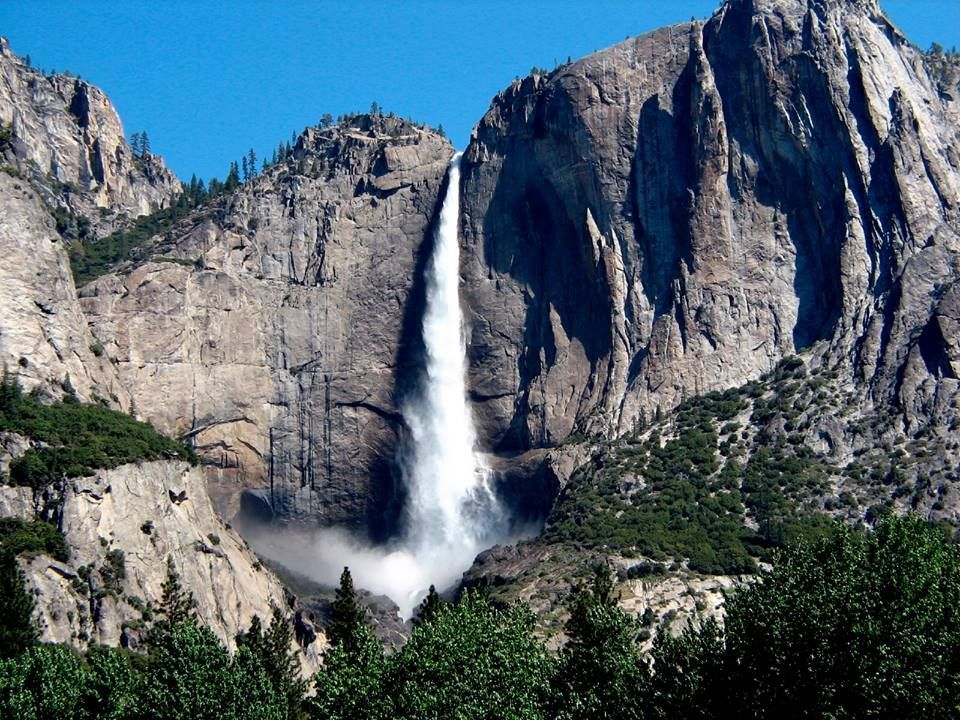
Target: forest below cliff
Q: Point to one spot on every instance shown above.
(857, 624)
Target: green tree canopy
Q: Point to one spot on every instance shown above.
(855, 625)
(191, 675)
(274, 651)
(600, 672)
(472, 661)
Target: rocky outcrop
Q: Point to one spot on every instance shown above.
(65, 136)
(676, 213)
(44, 338)
(64, 161)
(276, 328)
(63, 155)
(123, 527)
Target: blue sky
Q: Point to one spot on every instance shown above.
(208, 80)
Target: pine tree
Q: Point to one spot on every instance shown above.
(348, 616)
(17, 631)
(429, 607)
(245, 168)
(586, 599)
(193, 190)
(233, 178)
(176, 605)
(144, 144)
(273, 649)
(599, 671)
(252, 162)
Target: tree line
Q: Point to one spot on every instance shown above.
(857, 624)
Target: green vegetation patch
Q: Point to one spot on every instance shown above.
(77, 439)
(32, 537)
(90, 260)
(686, 489)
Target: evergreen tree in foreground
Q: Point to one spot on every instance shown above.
(176, 605)
(349, 685)
(275, 652)
(471, 661)
(429, 607)
(855, 625)
(600, 672)
(17, 631)
(348, 617)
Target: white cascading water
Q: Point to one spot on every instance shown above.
(450, 504)
(452, 512)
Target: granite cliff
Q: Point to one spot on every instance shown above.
(65, 136)
(67, 174)
(681, 213)
(667, 217)
(275, 327)
(677, 213)
(123, 527)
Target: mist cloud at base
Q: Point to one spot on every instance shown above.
(321, 554)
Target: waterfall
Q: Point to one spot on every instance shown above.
(452, 512)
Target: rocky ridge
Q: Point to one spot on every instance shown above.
(781, 178)
(64, 136)
(720, 195)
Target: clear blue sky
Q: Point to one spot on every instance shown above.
(207, 80)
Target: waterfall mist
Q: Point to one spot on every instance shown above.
(451, 510)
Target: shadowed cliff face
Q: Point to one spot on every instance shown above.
(676, 213)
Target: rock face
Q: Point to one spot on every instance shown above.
(277, 327)
(62, 151)
(65, 136)
(669, 216)
(44, 337)
(123, 526)
(676, 213)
